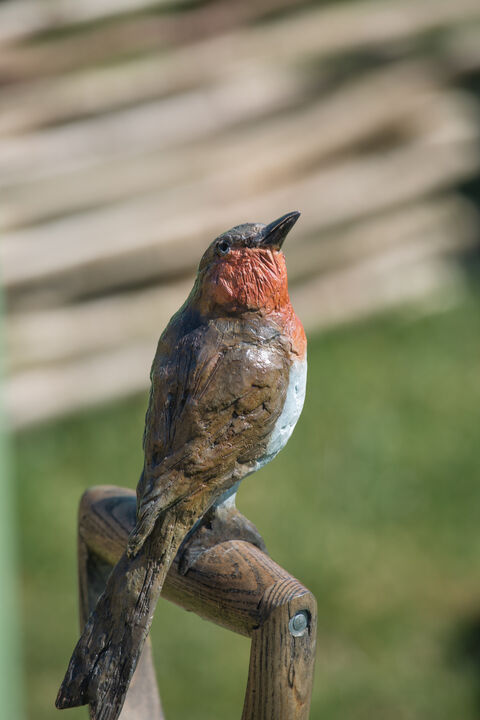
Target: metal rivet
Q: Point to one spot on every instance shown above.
(298, 624)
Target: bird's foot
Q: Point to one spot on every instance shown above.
(218, 525)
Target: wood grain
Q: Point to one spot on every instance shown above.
(143, 699)
(233, 584)
(132, 238)
(326, 31)
(33, 191)
(280, 674)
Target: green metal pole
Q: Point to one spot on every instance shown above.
(11, 705)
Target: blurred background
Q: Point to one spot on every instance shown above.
(131, 134)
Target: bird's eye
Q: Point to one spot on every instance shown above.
(223, 247)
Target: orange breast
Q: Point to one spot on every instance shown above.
(249, 279)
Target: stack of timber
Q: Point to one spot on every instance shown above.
(133, 132)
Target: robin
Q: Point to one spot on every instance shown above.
(227, 388)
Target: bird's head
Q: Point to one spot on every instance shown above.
(244, 269)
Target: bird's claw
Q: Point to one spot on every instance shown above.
(220, 524)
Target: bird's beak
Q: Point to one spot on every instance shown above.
(274, 234)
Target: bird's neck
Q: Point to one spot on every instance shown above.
(246, 280)
(249, 285)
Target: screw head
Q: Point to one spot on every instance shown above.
(298, 624)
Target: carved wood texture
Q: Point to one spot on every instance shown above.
(233, 584)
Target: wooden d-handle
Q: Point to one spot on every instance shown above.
(234, 584)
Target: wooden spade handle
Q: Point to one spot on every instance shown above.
(235, 585)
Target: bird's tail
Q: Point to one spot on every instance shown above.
(106, 655)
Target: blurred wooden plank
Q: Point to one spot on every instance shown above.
(322, 129)
(137, 240)
(65, 333)
(24, 106)
(44, 393)
(21, 18)
(61, 98)
(460, 51)
(448, 223)
(401, 274)
(79, 331)
(321, 31)
(100, 253)
(160, 124)
(382, 283)
(82, 96)
(130, 36)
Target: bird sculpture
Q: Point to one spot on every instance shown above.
(227, 388)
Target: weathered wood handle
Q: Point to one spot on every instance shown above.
(233, 584)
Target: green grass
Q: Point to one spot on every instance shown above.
(374, 505)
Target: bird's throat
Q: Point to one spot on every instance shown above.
(249, 280)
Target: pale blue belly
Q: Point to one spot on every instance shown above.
(284, 426)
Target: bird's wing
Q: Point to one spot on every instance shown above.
(213, 405)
